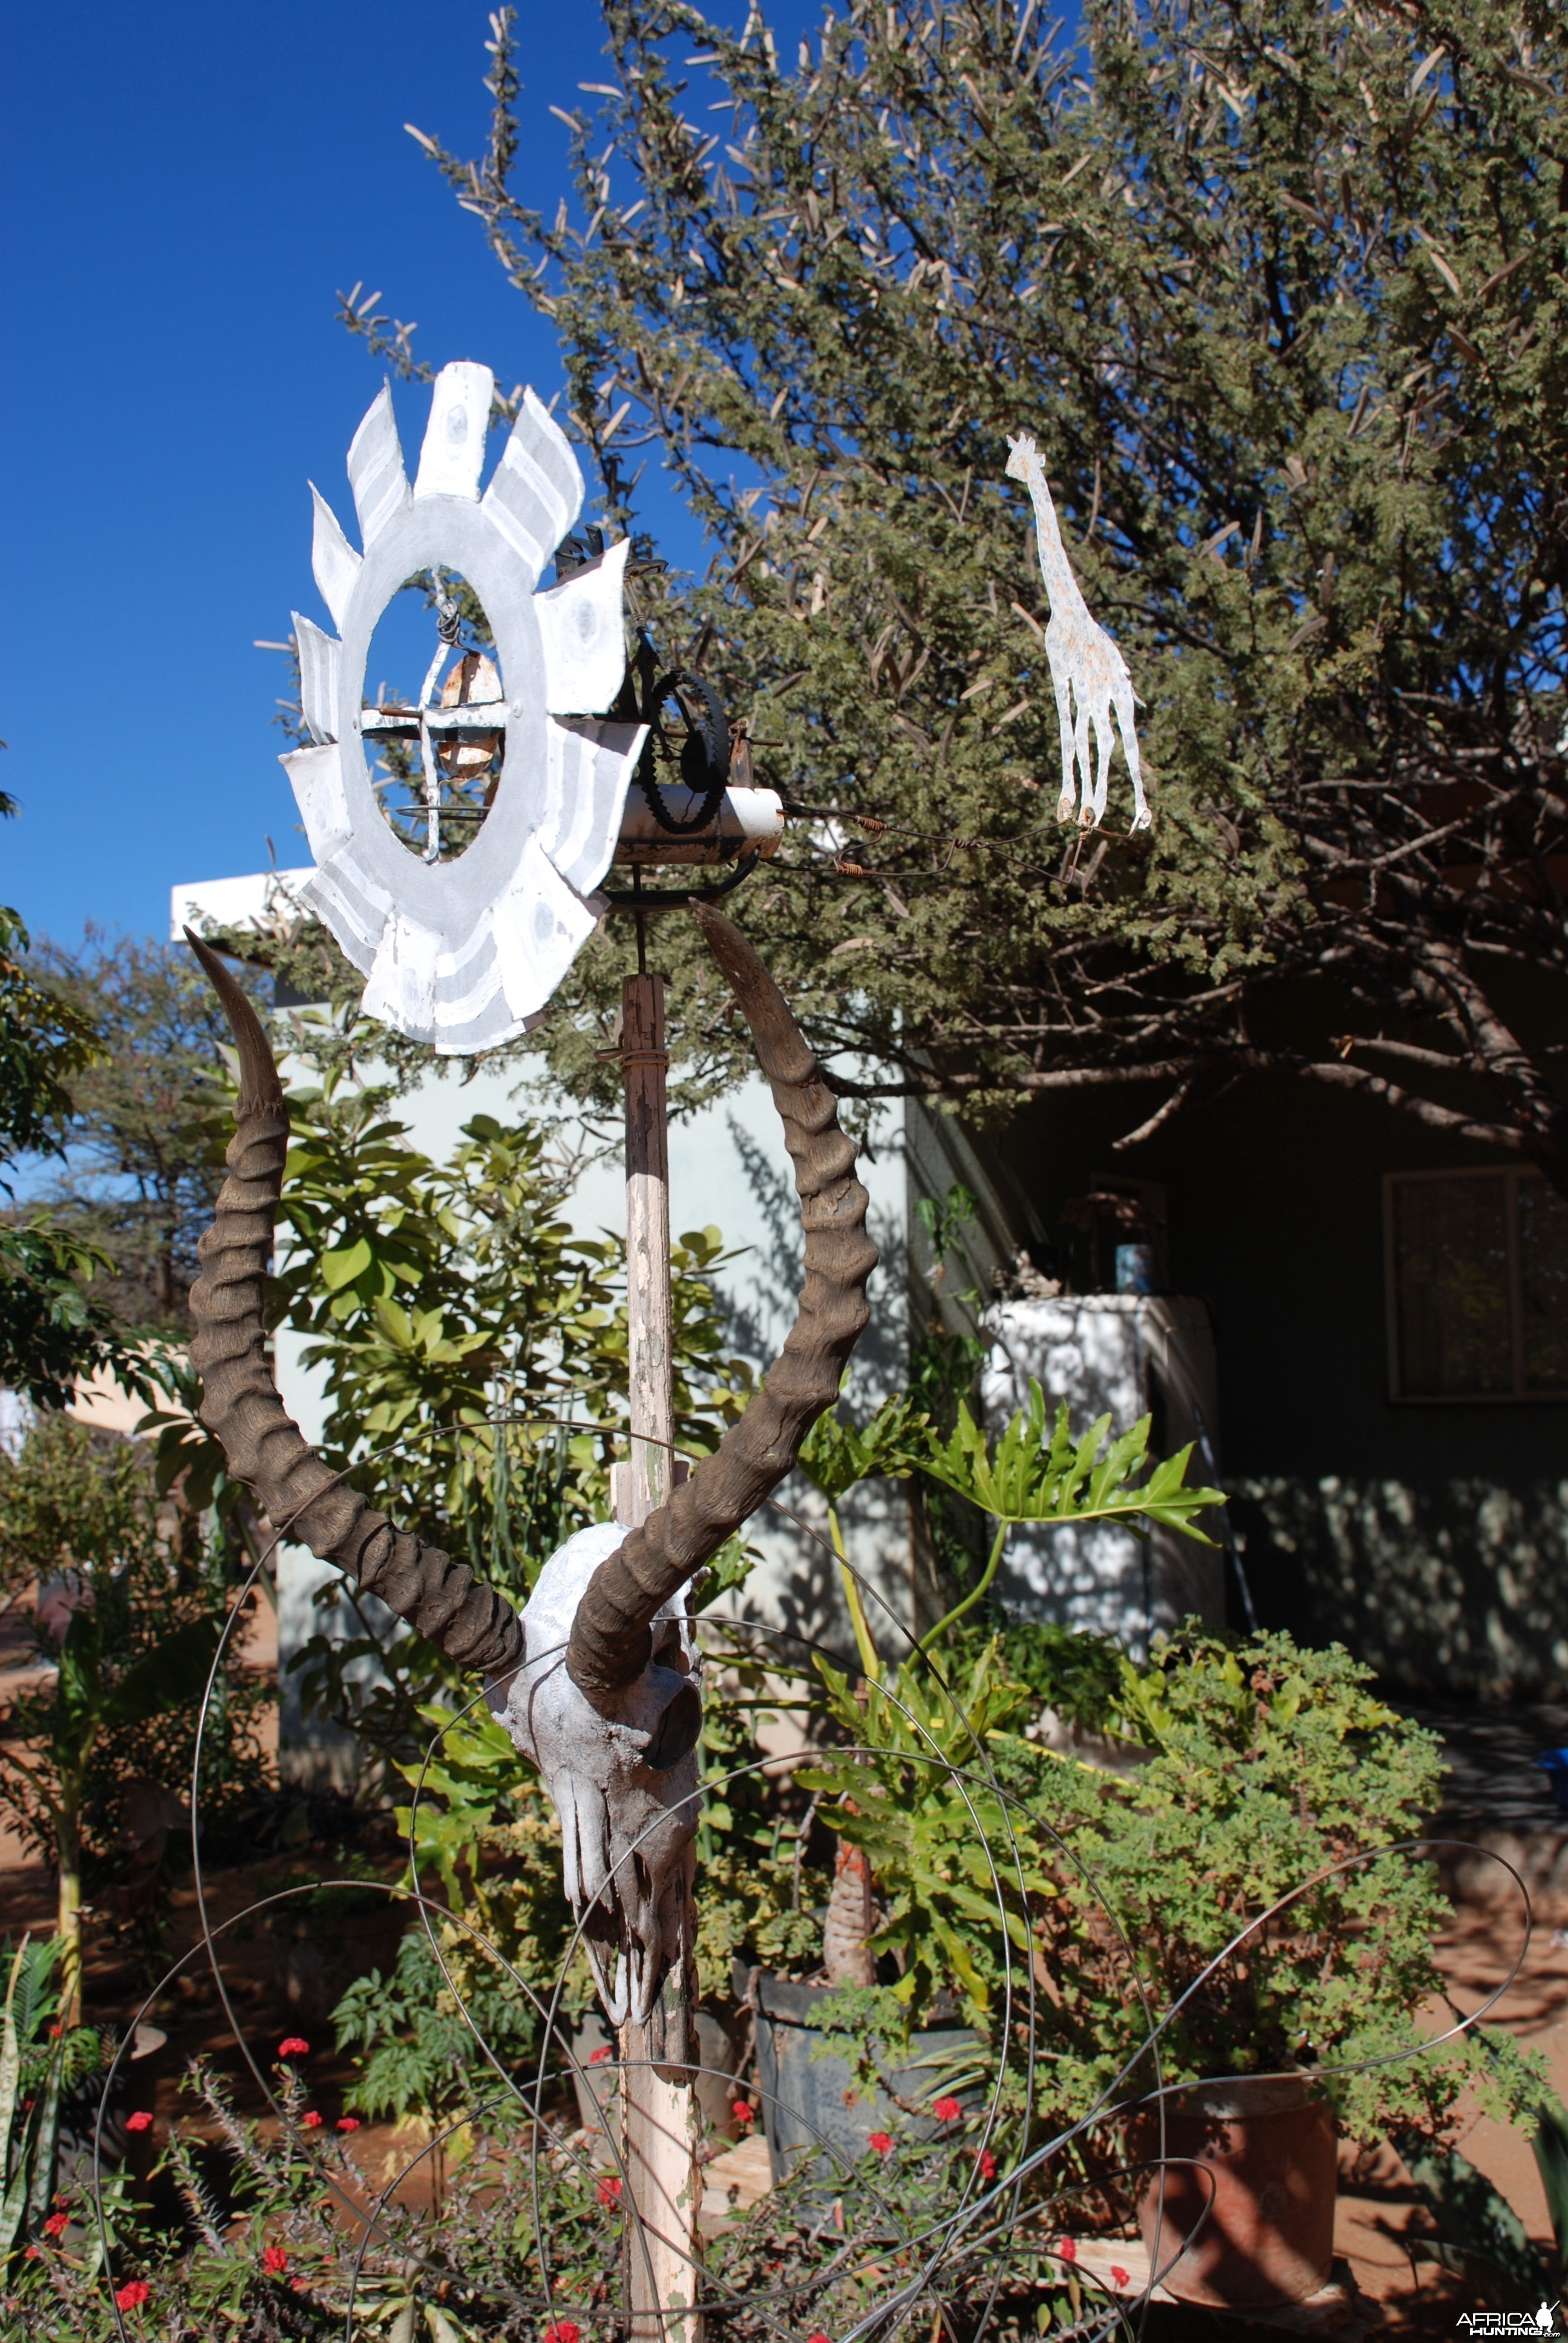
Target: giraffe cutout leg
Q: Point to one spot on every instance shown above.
(1067, 798)
(1104, 745)
(1127, 720)
(1087, 814)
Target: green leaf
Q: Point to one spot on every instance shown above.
(338, 1270)
(15, 2161)
(1550, 2145)
(1480, 2237)
(1028, 1474)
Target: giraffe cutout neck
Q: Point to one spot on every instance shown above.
(1066, 595)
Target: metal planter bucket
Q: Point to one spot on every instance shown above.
(815, 2102)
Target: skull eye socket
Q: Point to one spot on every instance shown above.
(670, 1651)
(675, 1735)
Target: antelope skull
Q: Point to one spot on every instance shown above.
(622, 1771)
(598, 1681)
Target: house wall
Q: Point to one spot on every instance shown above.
(1430, 1538)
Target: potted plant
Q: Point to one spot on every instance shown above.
(1255, 1880)
(1230, 1937)
(907, 2002)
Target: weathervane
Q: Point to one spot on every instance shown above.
(463, 942)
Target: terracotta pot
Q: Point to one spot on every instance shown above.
(1265, 2152)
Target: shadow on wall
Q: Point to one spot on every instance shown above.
(1464, 1587)
(776, 1270)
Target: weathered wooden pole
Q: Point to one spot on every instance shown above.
(660, 2127)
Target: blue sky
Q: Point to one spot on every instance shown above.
(186, 189)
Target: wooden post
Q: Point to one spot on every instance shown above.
(644, 1062)
(660, 2121)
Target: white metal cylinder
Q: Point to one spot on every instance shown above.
(746, 818)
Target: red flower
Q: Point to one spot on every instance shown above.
(55, 2031)
(1119, 2276)
(610, 2190)
(743, 2112)
(880, 2143)
(56, 2225)
(132, 2295)
(275, 2259)
(947, 2110)
(596, 2058)
(347, 2123)
(987, 2163)
(291, 2047)
(1067, 2251)
(565, 2331)
(31, 2255)
(140, 2121)
(311, 2120)
(816, 2338)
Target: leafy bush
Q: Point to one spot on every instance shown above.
(483, 1834)
(131, 1630)
(274, 2221)
(920, 2227)
(1267, 1769)
(475, 1355)
(1271, 1769)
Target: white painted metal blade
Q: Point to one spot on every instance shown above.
(316, 776)
(539, 925)
(332, 559)
(349, 900)
(589, 768)
(536, 492)
(375, 473)
(453, 454)
(584, 637)
(402, 987)
(319, 658)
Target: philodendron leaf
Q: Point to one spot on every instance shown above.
(1029, 1475)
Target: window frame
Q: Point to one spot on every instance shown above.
(1511, 1175)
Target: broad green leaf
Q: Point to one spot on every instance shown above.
(338, 1270)
(1027, 1475)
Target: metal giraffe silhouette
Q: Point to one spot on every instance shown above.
(1086, 667)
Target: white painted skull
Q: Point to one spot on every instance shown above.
(622, 1775)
